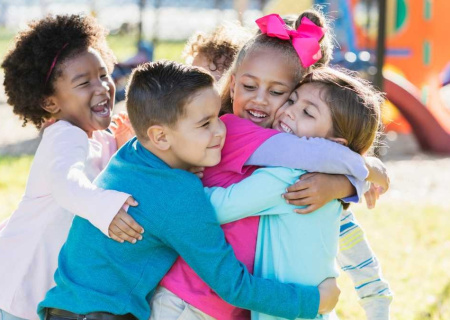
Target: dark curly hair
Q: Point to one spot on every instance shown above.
(27, 64)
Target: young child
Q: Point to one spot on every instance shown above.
(174, 112)
(263, 75)
(303, 248)
(59, 68)
(215, 51)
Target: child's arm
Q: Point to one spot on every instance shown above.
(315, 155)
(203, 246)
(73, 191)
(314, 190)
(310, 154)
(259, 194)
(254, 145)
(357, 259)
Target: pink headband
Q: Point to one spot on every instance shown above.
(54, 63)
(305, 39)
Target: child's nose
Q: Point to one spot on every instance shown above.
(289, 112)
(102, 87)
(261, 97)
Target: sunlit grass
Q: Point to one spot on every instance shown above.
(412, 243)
(6, 38)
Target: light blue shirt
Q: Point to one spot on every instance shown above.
(291, 247)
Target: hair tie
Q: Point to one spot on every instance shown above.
(305, 39)
(54, 63)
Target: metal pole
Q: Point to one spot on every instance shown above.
(381, 43)
(141, 17)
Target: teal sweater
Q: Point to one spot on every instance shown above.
(96, 273)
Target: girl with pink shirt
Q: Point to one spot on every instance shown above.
(59, 69)
(264, 73)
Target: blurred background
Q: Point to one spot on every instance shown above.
(400, 45)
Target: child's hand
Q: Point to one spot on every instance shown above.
(123, 227)
(372, 195)
(121, 128)
(329, 295)
(198, 171)
(314, 190)
(377, 173)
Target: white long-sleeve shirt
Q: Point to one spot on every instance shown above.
(59, 185)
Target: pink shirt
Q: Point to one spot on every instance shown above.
(243, 138)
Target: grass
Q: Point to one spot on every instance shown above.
(13, 173)
(6, 37)
(412, 243)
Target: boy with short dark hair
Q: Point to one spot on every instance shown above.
(174, 112)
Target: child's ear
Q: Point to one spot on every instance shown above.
(342, 141)
(51, 106)
(158, 137)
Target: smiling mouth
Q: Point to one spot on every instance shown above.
(258, 114)
(285, 128)
(102, 109)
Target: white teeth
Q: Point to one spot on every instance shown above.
(257, 114)
(104, 111)
(285, 128)
(102, 103)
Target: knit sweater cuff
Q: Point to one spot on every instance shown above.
(309, 302)
(376, 308)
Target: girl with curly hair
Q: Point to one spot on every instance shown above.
(215, 51)
(59, 69)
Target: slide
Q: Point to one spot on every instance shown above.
(430, 134)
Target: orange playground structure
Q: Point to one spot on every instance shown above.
(416, 71)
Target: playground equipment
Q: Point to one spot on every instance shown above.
(416, 71)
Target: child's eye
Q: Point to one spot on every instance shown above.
(249, 87)
(277, 93)
(290, 101)
(307, 113)
(205, 125)
(83, 84)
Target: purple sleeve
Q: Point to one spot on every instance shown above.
(313, 155)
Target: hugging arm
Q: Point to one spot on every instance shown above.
(70, 186)
(258, 194)
(310, 154)
(204, 248)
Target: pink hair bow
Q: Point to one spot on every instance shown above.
(305, 39)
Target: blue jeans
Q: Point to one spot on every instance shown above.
(7, 316)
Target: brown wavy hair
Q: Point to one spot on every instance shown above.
(354, 103)
(224, 42)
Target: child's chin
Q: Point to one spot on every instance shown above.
(103, 125)
(211, 162)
